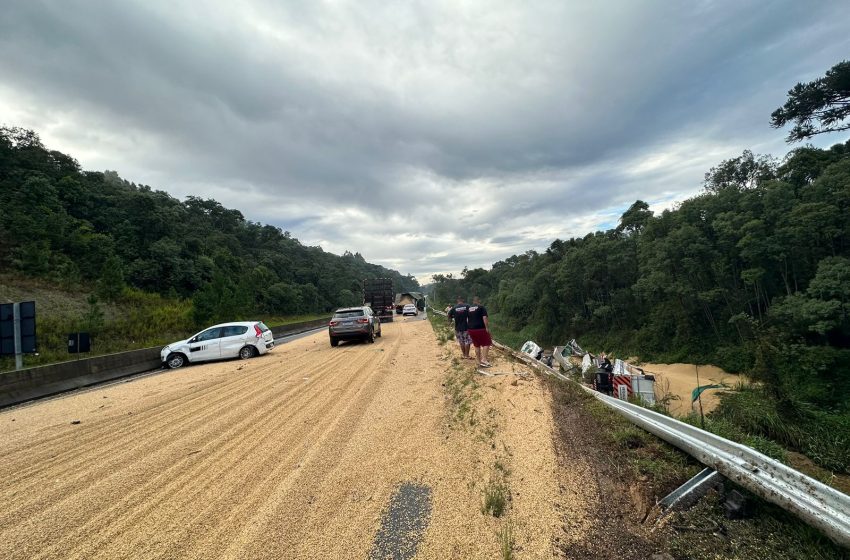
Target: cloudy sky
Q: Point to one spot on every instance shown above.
(426, 135)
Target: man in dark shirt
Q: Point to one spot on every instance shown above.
(458, 313)
(479, 331)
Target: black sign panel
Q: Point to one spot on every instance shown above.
(79, 342)
(26, 310)
(27, 314)
(7, 330)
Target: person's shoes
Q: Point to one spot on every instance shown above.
(485, 364)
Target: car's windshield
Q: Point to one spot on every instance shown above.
(348, 313)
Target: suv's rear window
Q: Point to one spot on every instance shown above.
(351, 313)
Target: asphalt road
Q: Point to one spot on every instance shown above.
(306, 452)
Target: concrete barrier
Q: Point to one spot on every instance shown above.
(42, 381)
(33, 383)
(295, 328)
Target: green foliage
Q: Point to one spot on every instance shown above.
(752, 275)
(111, 285)
(496, 496)
(92, 321)
(69, 226)
(825, 100)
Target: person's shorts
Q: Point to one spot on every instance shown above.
(480, 337)
(463, 337)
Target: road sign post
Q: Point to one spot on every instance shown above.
(16, 319)
(17, 330)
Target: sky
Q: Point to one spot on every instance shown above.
(428, 136)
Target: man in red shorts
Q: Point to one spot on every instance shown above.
(478, 325)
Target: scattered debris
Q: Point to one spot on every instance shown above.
(736, 505)
(495, 373)
(75, 421)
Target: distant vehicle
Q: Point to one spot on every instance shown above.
(354, 323)
(227, 340)
(410, 309)
(379, 295)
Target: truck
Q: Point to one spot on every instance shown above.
(378, 293)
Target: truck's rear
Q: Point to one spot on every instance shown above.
(378, 294)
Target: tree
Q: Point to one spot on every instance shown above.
(93, 319)
(825, 101)
(743, 172)
(111, 283)
(635, 217)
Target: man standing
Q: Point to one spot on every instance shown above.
(459, 313)
(479, 331)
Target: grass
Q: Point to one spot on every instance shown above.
(768, 427)
(136, 320)
(500, 466)
(641, 453)
(496, 496)
(704, 533)
(442, 328)
(506, 540)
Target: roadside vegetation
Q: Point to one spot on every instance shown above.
(466, 412)
(133, 320)
(138, 267)
(635, 470)
(751, 275)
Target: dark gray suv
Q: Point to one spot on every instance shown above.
(350, 323)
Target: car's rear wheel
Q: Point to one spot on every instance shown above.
(334, 342)
(247, 352)
(175, 361)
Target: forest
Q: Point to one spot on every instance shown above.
(135, 267)
(95, 228)
(752, 275)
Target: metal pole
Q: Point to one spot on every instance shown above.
(16, 319)
(699, 398)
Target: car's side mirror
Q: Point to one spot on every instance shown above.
(193, 339)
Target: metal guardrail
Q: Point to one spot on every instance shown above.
(817, 504)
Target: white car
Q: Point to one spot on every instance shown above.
(227, 340)
(409, 309)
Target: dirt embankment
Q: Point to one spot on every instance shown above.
(681, 379)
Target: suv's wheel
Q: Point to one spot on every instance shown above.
(247, 352)
(175, 361)
(334, 342)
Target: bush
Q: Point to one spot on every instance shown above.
(754, 412)
(826, 440)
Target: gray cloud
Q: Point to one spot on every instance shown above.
(504, 126)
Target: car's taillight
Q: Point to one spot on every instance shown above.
(333, 323)
(258, 331)
(362, 321)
